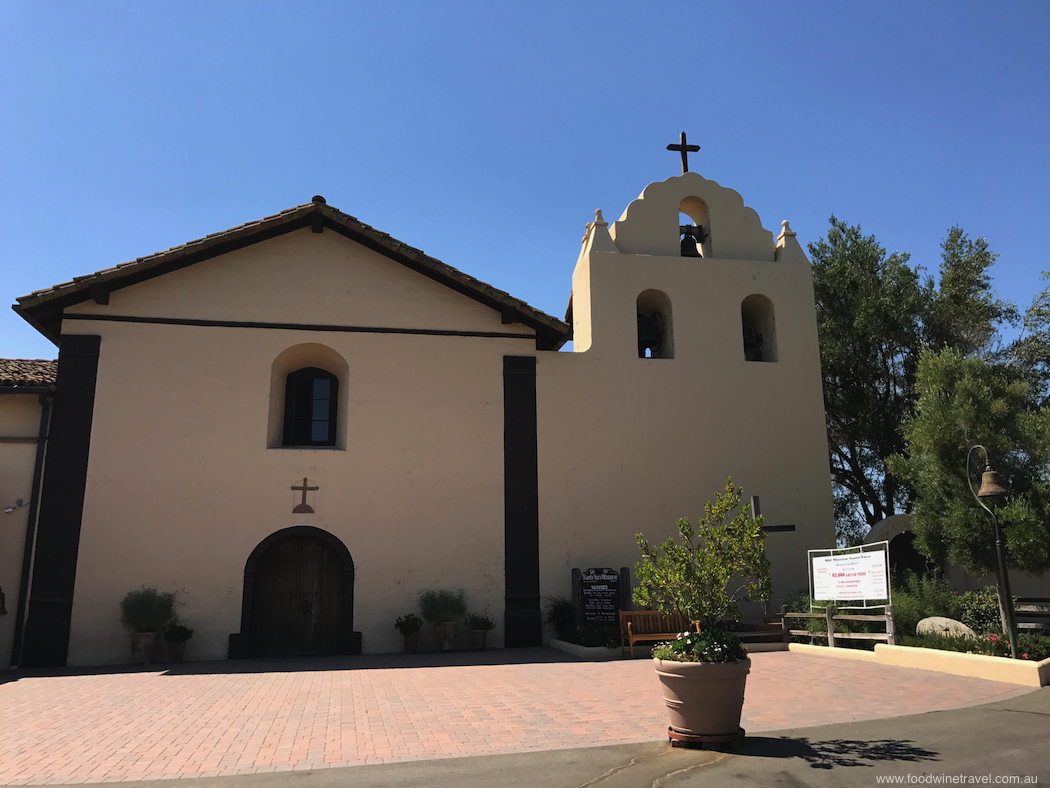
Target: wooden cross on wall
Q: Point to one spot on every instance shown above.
(684, 150)
(304, 507)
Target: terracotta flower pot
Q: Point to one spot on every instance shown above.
(176, 651)
(479, 636)
(704, 699)
(445, 631)
(142, 645)
(411, 641)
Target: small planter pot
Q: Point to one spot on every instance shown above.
(704, 699)
(176, 651)
(411, 641)
(445, 632)
(479, 636)
(142, 645)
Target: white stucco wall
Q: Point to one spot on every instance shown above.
(19, 418)
(181, 485)
(629, 445)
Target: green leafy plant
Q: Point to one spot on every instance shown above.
(408, 623)
(147, 610)
(711, 568)
(916, 597)
(558, 610)
(1030, 646)
(442, 605)
(177, 633)
(979, 610)
(711, 645)
(479, 621)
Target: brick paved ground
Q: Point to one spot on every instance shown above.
(222, 718)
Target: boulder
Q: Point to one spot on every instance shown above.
(939, 625)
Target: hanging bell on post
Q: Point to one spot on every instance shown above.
(990, 486)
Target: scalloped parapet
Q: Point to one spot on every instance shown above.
(649, 225)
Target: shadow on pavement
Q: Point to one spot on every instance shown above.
(502, 656)
(837, 752)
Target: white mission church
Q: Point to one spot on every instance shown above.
(301, 423)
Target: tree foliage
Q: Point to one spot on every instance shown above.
(875, 314)
(711, 568)
(961, 402)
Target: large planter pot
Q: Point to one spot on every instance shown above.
(176, 651)
(704, 699)
(445, 631)
(142, 645)
(411, 641)
(478, 637)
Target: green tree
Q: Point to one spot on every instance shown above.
(875, 314)
(963, 401)
(964, 313)
(710, 569)
(1029, 354)
(870, 307)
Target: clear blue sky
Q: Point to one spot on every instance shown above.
(487, 133)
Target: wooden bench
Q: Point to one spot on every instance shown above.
(649, 625)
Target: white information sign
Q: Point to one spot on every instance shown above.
(844, 576)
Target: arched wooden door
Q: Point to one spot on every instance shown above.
(297, 604)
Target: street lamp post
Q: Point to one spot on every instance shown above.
(990, 488)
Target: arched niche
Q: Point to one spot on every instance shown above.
(308, 354)
(655, 325)
(759, 328)
(244, 643)
(698, 212)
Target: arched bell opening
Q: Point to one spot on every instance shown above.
(655, 325)
(759, 328)
(694, 227)
(298, 597)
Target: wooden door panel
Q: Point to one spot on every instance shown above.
(296, 607)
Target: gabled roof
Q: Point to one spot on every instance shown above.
(27, 372)
(43, 308)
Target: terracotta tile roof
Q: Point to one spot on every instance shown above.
(27, 372)
(42, 308)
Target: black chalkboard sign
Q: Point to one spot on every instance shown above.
(599, 596)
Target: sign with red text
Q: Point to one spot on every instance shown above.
(850, 574)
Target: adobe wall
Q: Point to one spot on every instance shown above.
(19, 417)
(181, 483)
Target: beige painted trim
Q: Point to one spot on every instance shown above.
(979, 666)
(1014, 671)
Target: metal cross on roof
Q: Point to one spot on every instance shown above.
(684, 149)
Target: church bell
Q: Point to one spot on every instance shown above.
(990, 486)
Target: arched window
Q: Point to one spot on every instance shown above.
(760, 328)
(310, 406)
(655, 328)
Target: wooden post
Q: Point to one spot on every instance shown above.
(891, 629)
(829, 614)
(784, 623)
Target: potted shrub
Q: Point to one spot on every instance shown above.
(479, 624)
(176, 636)
(443, 609)
(409, 626)
(703, 575)
(144, 613)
